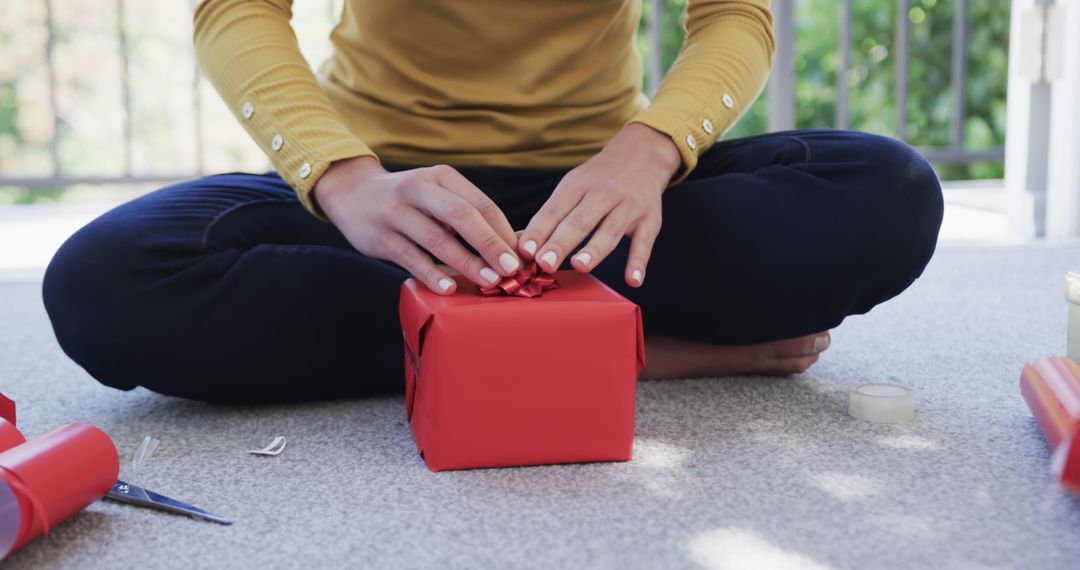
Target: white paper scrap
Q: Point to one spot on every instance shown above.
(275, 447)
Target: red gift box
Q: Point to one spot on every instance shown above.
(500, 381)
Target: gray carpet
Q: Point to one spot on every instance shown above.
(729, 473)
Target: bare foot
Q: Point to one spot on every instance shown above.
(669, 358)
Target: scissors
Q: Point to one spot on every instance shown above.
(136, 495)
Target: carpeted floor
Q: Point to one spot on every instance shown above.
(729, 473)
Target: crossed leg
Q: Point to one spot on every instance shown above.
(226, 289)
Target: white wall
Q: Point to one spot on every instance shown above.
(1042, 148)
(1063, 177)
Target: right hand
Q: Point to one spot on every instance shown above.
(390, 215)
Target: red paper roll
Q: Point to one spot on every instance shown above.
(51, 478)
(10, 436)
(1051, 387)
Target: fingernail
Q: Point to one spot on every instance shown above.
(584, 258)
(635, 276)
(821, 342)
(549, 258)
(445, 284)
(530, 246)
(508, 262)
(488, 274)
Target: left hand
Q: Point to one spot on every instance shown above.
(617, 193)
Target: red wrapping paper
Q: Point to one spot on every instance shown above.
(499, 381)
(7, 409)
(52, 477)
(1051, 388)
(10, 436)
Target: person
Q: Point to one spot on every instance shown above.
(450, 137)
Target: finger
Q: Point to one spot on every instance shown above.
(641, 246)
(570, 232)
(610, 231)
(452, 209)
(430, 235)
(405, 253)
(453, 181)
(563, 200)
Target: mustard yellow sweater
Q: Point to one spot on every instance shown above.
(518, 83)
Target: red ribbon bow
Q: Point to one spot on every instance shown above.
(530, 281)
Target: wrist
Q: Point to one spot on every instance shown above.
(655, 147)
(342, 175)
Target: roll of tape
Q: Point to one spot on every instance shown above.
(882, 403)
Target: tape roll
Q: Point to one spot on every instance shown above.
(882, 403)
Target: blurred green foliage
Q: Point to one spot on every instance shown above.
(871, 80)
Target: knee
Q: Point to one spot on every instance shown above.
(66, 285)
(904, 213)
(79, 290)
(909, 197)
(912, 187)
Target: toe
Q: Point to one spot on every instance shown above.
(796, 365)
(821, 342)
(803, 346)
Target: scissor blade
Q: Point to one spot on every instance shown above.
(134, 494)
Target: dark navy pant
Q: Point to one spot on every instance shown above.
(226, 289)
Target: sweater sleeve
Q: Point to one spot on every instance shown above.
(721, 68)
(248, 50)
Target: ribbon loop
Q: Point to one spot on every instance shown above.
(529, 281)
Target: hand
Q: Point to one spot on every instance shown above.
(617, 193)
(390, 215)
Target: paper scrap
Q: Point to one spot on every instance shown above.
(275, 447)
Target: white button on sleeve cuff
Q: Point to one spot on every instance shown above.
(277, 142)
(707, 125)
(305, 170)
(728, 101)
(248, 110)
(691, 142)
